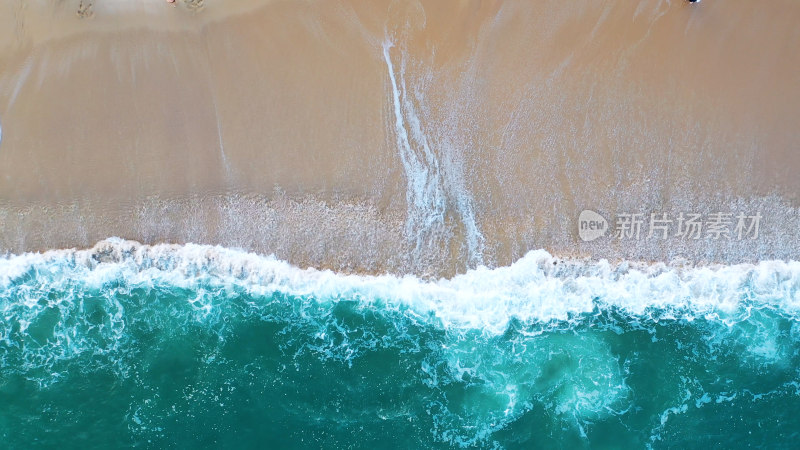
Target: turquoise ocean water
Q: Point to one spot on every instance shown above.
(196, 346)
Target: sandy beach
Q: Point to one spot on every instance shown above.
(423, 137)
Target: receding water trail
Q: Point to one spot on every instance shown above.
(219, 137)
(424, 194)
(21, 77)
(212, 90)
(463, 203)
(428, 187)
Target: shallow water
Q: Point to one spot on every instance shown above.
(176, 346)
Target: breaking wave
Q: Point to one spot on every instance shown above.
(541, 352)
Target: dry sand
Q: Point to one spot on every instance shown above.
(272, 126)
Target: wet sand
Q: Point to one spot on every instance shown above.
(273, 126)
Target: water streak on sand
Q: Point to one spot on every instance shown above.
(427, 187)
(425, 197)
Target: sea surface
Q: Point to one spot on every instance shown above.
(196, 346)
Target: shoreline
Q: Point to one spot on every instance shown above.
(360, 238)
(117, 250)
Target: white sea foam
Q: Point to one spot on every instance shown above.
(538, 287)
(578, 375)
